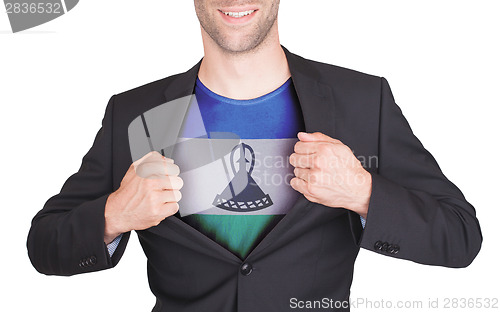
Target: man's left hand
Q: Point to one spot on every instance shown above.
(327, 172)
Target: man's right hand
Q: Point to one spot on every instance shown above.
(148, 193)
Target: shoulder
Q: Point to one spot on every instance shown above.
(134, 102)
(337, 75)
(129, 104)
(150, 91)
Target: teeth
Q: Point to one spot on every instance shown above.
(239, 14)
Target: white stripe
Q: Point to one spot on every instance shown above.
(272, 173)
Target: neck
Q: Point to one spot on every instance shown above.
(245, 75)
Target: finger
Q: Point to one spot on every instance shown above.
(316, 136)
(165, 183)
(157, 169)
(302, 173)
(157, 157)
(301, 186)
(171, 208)
(152, 156)
(302, 160)
(311, 176)
(143, 158)
(169, 160)
(309, 147)
(132, 169)
(171, 183)
(172, 169)
(302, 147)
(170, 196)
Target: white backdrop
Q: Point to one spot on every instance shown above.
(440, 58)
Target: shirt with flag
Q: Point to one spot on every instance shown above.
(238, 197)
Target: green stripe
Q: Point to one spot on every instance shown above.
(238, 233)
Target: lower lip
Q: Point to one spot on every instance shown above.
(237, 20)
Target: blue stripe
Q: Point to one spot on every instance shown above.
(277, 116)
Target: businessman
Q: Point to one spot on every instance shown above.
(249, 231)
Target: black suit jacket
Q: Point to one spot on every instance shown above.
(415, 212)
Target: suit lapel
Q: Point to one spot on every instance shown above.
(315, 97)
(318, 107)
(317, 104)
(183, 84)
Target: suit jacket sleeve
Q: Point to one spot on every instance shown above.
(415, 212)
(67, 235)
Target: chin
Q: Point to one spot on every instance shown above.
(238, 45)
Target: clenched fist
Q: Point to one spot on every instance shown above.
(148, 193)
(327, 172)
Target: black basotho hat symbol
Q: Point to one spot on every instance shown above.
(242, 193)
(25, 14)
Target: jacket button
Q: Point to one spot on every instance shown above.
(378, 245)
(246, 269)
(396, 249)
(83, 263)
(384, 246)
(390, 249)
(93, 260)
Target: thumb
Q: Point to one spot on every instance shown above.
(316, 136)
(147, 157)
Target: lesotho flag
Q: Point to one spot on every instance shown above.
(223, 173)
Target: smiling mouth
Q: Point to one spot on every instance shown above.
(238, 14)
